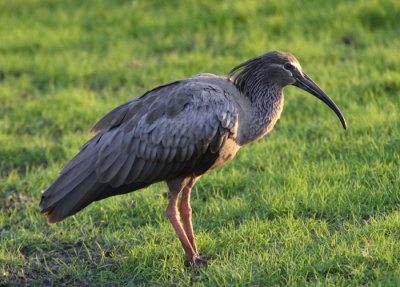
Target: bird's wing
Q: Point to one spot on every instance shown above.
(126, 111)
(162, 133)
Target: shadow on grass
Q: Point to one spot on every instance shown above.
(61, 264)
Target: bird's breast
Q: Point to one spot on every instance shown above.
(226, 153)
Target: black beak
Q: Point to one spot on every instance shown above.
(306, 83)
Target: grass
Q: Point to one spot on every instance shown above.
(310, 204)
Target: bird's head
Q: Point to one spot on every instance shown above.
(282, 69)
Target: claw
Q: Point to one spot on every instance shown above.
(198, 261)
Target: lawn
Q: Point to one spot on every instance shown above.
(310, 204)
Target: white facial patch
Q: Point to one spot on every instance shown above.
(297, 65)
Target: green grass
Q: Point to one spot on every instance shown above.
(311, 204)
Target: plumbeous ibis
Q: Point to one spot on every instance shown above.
(175, 133)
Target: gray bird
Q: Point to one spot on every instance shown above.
(176, 133)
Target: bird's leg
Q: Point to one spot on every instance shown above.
(172, 213)
(186, 214)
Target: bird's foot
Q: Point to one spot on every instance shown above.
(199, 261)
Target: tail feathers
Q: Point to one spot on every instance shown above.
(87, 191)
(66, 182)
(78, 184)
(78, 198)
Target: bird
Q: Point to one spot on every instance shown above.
(176, 133)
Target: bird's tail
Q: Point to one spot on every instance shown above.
(77, 187)
(74, 200)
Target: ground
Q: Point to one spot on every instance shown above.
(310, 204)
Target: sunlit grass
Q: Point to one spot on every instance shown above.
(309, 204)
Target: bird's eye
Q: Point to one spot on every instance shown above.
(288, 66)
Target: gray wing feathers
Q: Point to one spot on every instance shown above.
(161, 131)
(132, 109)
(114, 117)
(154, 137)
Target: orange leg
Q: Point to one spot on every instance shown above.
(172, 213)
(186, 214)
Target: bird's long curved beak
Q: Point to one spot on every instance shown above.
(303, 81)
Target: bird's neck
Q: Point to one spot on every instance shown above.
(266, 104)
